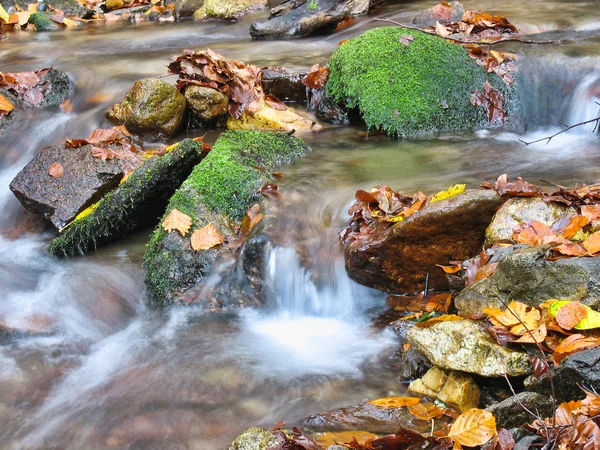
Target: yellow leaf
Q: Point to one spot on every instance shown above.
(591, 321)
(87, 211)
(444, 318)
(206, 237)
(178, 221)
(426, 411)
(5, 105)
(4, 15)
(32, 7)
(516, 313)
(453, 190)
(69, 23)
(333, 437)
(395, 402)
(473, 428)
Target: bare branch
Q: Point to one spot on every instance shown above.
(549, 138)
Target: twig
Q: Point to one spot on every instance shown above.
(549, 138)
(461, 41)
(560, 186)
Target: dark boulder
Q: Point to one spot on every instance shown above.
(412, 365)
(510, 413)
(399, 259)
(287, 84)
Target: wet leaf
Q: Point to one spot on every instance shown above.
(540, 366)
(4, 15)
(395, 402)
(492, 101)
(450, 269)
(570, 315)
(442, 30)
(473, 427)
(575, 224)
(206, 237)
(570, 249)
(271, 191)
(591, 212)
(537, 335)
(55, 170)
(274, 103)
(589, 406)
(317, 78)
(5, 106)
(364, 196)
(178, 221)
(250, 220)
(453, 190)
(573, 344)
(345, 23)
(440, 302)
(334, 437)
(426, 411)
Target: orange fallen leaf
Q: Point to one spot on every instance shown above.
(206, 237)
(450, 269)
(516, 313)
(445, 318)
(575, 224)
(440, 302)
(534, 336)
(426, 411)
(591, 212)
(473, 427)
(570, 315)
(573, 344)
(570, 249)
(590, 405)
(5, 105)
(395, 402)
(55, 170)
(178, 221)
(66, 106)
(592, 243)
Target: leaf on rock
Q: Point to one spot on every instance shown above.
(576, 223)
(492, 101)
(250, 220)
(178, 221)
(395, 402)
(573, 344)
(592, 243)
(591, 212)
(275, 103)
(570, 315)
(534, 336)
(317, 78)
(55, 170)
(426, 410)
(453, 190)
(206, 237)
(570, 249)
(473, 427)
(515, 316)
(442, 30)
(444, 318)
(450, 269)
(442, 11)
(5, 106)
(540, 366)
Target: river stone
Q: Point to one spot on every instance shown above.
(207, 104)
(523, 209)
(187, 8)
(135, 204)
(525, 275)
(412, 364)
(69, 7)
(509, 413)
(227, 9)
(84, 181)
(456, 389)
(151, 106)
(367, 417)
(287, 84)
(579, 369)
(399, 259)
(219, 191)
(465, 345)
(427, 18)
(254, 438)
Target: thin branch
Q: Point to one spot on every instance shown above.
(462, 41)
(560, 186)
(549, 138)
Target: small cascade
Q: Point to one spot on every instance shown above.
(584, 103)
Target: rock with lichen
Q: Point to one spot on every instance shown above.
(254, 438)
(227, 9)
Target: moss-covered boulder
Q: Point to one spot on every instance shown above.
(136, 203)
(42, 22)
(152, 106)
(219, 191)
(406, 82)
(227, 9)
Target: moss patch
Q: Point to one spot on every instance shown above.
(219, 190)
(405, 90)
(136, 203)
(42, 22)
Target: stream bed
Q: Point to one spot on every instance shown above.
(114, 372)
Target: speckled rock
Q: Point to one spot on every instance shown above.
(151, 106)
(207, 104)
(510, 414)
(465, 345)
(227, 9)
(456, 389)
(254, 438)
(523, 209)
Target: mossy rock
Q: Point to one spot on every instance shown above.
(42, 22)
(408, 88)
(135, 204)
(219, 191)
(254, 438)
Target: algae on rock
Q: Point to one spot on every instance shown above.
(136, 203)
(409, 86)
(219, 191)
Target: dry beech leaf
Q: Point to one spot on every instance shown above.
(570, 315)
(516, 313)
(5, 105)
(450, 269)
(573, 344)
(575, 224)
(534, 336)
(426, 411)
(590, 405)
(178, 221)
(445, 318)
(56, 170)
(591, 212)
(592, 243)
(395, 402)
(473, 427)
(206, 237)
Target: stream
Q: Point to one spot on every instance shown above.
(114, 372)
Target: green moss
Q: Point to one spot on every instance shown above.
(42, 22)
(421, 87)
(136, 203)
(219, 190)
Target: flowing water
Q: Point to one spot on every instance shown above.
(106, 370)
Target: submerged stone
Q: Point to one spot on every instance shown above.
(400, 259)
(151, 106)
(465, 345)
(524, 274)
(286, 84)
(207, 104)
(418, 85)
(219, 191)
(134, 204)
(227, 9)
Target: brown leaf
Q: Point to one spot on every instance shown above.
(250, 220)
(317, 78)
(573, 344)
(570, 315)
(426, 411)
(406, 39)
(395, 402)
(473, 427)
(364, 196)
(591, 212)
(206, 237)
(178, 221)
(440, 302)
(442, 11)
(349, 20)
(442, 30)
(570, 249)
(271, 191)
(485, 271)
(55, 170)
(492, 101)
(575, 224)
(540, 366)
(445, 318)
(274, 103)
(450, 269)
(537, 335)
(505, 440)
(592, 243)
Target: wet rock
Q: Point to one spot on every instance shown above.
(412, 364)
(423, 85)
(523, 209)
(151, 106)
(523, 273)
(330, 113)
(465, 345)
(84, 181)
(136, 203)
(42, 22)
(302, 18)
(254, 438)
(219, 191)
(227, 9)
(187, 8)
(427, 18)
(286, 84)
(511, 414)
(399, 259)
(366, 417)
(579, 369)
(456, 389)
(207, 104)
(268, 119)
